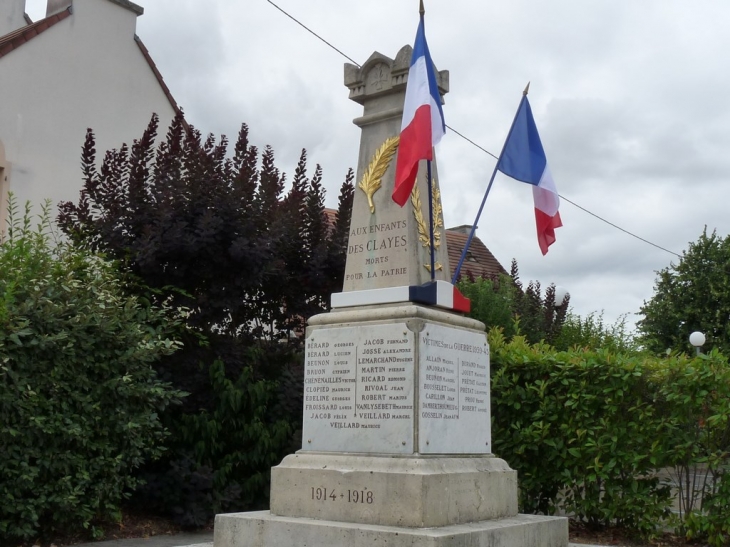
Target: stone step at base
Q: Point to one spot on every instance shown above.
(262, 529)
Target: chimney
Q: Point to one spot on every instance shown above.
(12, 16)
(56, 6)
(463, 229)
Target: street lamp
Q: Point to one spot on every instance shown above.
(697, 339)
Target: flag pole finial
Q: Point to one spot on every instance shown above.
(527, 90)
(422, 10)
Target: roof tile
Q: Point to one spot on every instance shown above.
(160, 79)
(479, 262)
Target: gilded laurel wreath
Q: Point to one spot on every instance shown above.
(438, 221)
(373, 176)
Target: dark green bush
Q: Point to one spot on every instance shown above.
(79, 400)
(185, 491)
(238, 437)
(221, 456)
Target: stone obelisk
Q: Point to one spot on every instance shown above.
(396, 436)
(389, 245)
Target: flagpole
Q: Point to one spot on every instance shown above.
(457, 271)
(422, 12)
(430, 218)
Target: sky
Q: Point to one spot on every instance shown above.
(631, 100)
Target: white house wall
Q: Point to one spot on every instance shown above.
(85, 71)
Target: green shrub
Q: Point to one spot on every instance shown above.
(694, 394)
(587, 431)
(581, 430)
(237, 437)
(79, 400)
(492, 302)
(503, 302)
(713, 523)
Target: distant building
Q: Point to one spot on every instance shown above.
(80, 67)
(479, 261)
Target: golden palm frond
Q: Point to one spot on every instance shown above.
(373, 176)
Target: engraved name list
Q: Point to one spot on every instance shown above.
(358, 389)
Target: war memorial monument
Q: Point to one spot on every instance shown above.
(396, 447)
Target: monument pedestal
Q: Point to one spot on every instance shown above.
(396, 443)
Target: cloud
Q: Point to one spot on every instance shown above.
(630, 99)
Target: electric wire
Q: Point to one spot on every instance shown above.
(619, 227)
(467, 139)
(470, 141)
(305, 27)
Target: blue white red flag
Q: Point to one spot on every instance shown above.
(523, 159)
(423, 119)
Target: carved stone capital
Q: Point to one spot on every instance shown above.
(381, 75)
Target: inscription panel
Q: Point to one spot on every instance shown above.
(377, 255)
(454, 411)
(358, 389)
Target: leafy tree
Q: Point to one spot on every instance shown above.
(492, 302)
(79, 398)
(502, 302)
(540, 319)
(692, 295)
(590, 332)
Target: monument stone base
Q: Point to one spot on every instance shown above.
(262, 529)
(396, 444)
(415, 492)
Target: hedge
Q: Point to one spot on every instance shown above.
(587, 430)
(79, 401)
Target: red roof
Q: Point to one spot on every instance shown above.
(17, 38)
(160, 79)
(331, 216)
(479, 261)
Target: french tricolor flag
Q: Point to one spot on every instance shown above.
(423, 119)
(523, 159)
